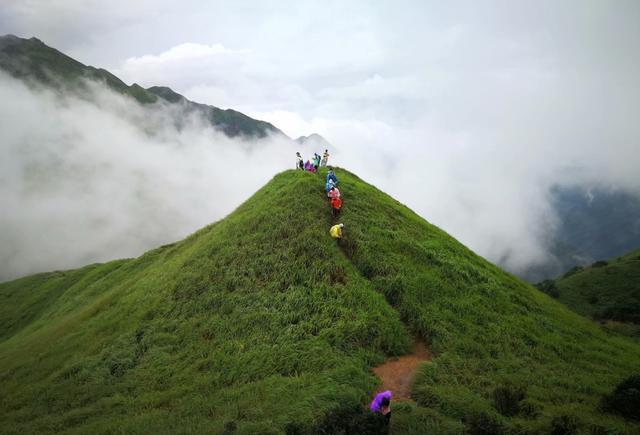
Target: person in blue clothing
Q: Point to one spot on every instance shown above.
(329, 185)
(331, 176)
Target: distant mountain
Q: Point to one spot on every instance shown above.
(594, 224)
(36, 63)
(607, 290)
(262, 323)
(315, 143)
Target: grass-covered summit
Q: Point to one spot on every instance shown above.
(261, 323)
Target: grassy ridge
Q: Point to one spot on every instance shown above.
(32, 59)
(256, 322)
(606, 291)
(508, 356)
(261, 323)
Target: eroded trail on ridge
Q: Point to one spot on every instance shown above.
(397, 373)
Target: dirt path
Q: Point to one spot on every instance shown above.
(397, 373)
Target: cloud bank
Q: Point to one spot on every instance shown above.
(93, 179)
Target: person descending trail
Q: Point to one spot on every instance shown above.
(328, 186)
(335, 201)
(336, 205)
(299, 162)
(382, 402)
(331, 176)
(381, 405)
(336, 231)
(333, 193)
(325, 158)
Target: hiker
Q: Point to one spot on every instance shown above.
(328, 186)
(332, 176)
(336, 231)
(381, 404)
(325, 158)
(316, 160)
(333, 193)
(309, 167)
(336, 205)
(299, 163)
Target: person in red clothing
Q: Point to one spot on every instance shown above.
(333, 193)
(336, 205)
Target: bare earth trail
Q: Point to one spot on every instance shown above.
(397, 373)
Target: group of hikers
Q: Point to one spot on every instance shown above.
(381, 402)
(331, 185)
(313, 164)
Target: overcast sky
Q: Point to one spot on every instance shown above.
(466, 111)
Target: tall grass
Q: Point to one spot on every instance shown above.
(261, 323)
(606, 291)
(254, 323)
(496, 338)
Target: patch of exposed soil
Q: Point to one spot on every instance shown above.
(397, 373)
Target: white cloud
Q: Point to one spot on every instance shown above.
(377, 87)
(186, 64)
(185, 52)
(292, 124)
(83, 181)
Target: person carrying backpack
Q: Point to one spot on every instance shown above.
(299, 162)
(336, 231)
(336, 205)
(325, 158)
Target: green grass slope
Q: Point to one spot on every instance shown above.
(256, 322)
(261, 323)
(508, 358)
(607, 290)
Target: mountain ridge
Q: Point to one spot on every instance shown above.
(33, 61)
(260, 322)
(316, 141)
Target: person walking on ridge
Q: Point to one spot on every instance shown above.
(333, 193)
(308, 166)
(325, 158)
(336, 205)
(316, 160)
(328, 186)
(381, 407)
(336, 231)
(332, 176)
(299, 162)
(382, 402)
